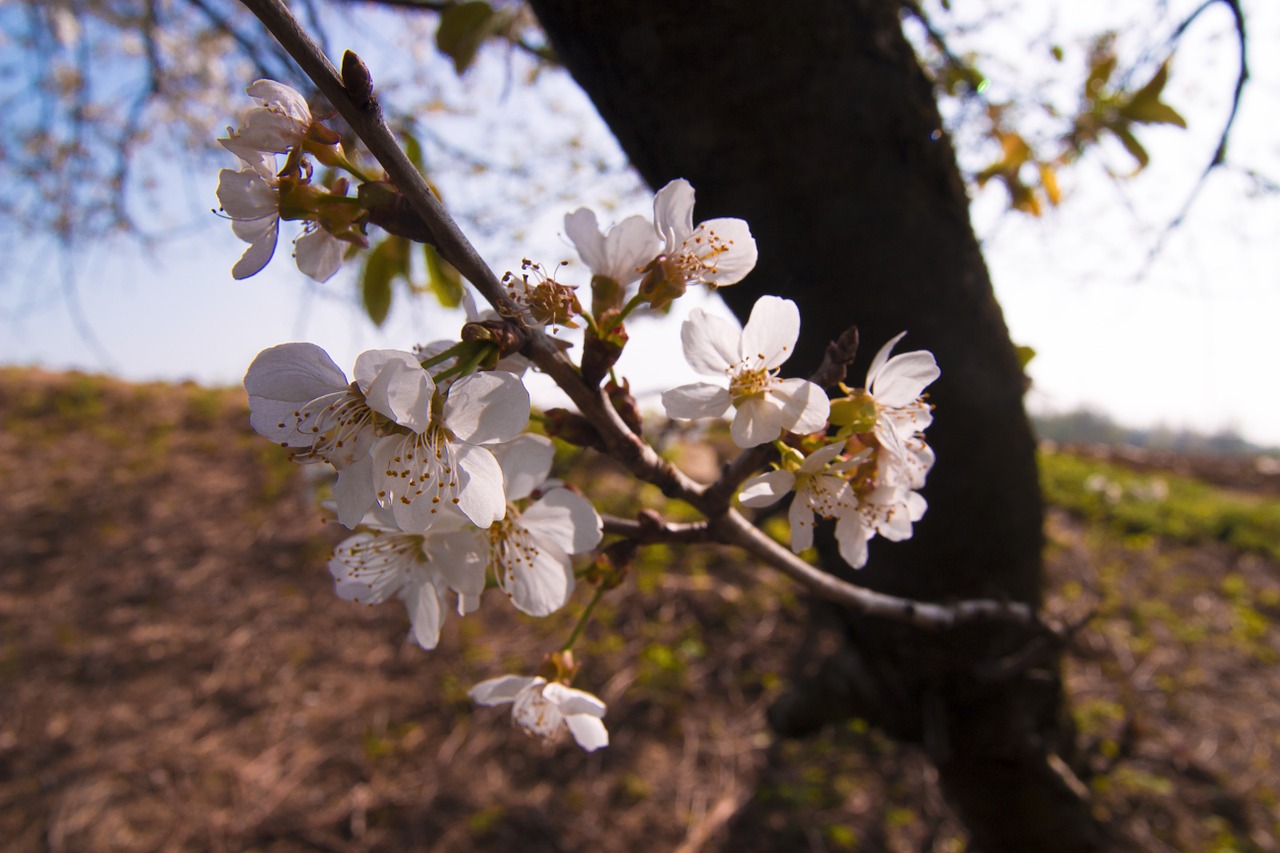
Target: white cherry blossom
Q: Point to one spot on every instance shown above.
(445, 458)
(748, 360)
(250, 199)
(896, 386)
(529, 550)
(619, 254)
(823, 490)
(280, 122)
(545, 709)
(299, 398)
(717, 252)
(383, 562)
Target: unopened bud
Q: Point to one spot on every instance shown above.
(600, 353)
(508, 337)
(624, 403)
(663, 282)
(611, 566)
(572, 428)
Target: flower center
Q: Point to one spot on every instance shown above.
(747, 382)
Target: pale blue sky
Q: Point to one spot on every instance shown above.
(1188, 341)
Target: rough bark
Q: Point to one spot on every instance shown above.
(815, 123)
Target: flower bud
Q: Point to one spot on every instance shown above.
(572, 428)
(599, 354)
(624, 403)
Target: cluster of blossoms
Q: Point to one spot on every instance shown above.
(447, 493)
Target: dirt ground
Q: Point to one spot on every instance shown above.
(177, 674)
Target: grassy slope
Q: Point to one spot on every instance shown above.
(175, 672)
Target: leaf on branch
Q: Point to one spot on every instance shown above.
(1145, 106)
(443, 280)
(463, 28)
(389, 259)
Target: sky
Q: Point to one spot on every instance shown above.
(1185, 340)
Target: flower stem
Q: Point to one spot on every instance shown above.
(583, 619)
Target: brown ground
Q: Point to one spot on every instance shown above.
(176, 674)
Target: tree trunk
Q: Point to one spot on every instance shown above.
(815, 124)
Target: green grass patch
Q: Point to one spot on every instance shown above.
(1182, 509)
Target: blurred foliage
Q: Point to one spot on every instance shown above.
(1165, 505)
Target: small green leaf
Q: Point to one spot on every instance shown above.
(463, 28)
(1145, 107)
(445, 281)
(1025, 354)
(1131, 144)
(386, 261)
(413, 150)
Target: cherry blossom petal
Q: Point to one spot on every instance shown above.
(319, 254)
(246, 195)
(589, 732)
(534, 573)
(426, 612)
(487, 407)
(498, 691)
(296, 372)
(757, 421)
(480, 493)
(574, 702)
(851, 538)
(395, 385)
(726, 249)
(820, 458)
(903, 378)
(354, 495)
(802, 522)
(699, 400)
(710, 342)
(805, 406)
(565, 518)
(771, 333)
(673, 213)
(258, 253)
(767, 489)
(526, 464)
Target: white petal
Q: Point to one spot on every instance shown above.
(851, 537)
(319, 254)
(461, 557)
(353, 491)
(246, 194)
(882, 355)
(258, 254)
(487, 407)
(699, 400)
(480, 494)
(279, 96)
(426, 612)
(903, 378)
(726, 250)
(629, 247)
(710, 342)
(758, 421)
(589, 732)
(364, 573)
(295, 372)
(771, 333)
(820, 458)
(534, 573)
(583, 230)
(802, 522)
(396, 386)
(805, 406)
(673, 213)
(574, 702)
(526, 463)
(565, 518)
(497, 691)
(767, 489)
